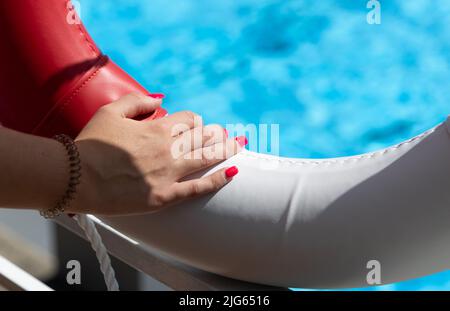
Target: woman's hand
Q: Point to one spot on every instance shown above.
(132, 167)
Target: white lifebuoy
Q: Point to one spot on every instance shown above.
(316, 223)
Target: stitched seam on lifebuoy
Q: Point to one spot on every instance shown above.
(346, 160)
(83, 32)
(77, 91)
(58, 108)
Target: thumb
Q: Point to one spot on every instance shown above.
(136, 104)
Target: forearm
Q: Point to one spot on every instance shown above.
(33, 170)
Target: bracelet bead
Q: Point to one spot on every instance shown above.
(75, 175)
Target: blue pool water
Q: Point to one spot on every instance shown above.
(335, 84)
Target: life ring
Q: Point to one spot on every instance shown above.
(307, 223)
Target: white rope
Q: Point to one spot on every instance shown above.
(100, 251)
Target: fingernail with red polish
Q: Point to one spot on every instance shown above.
(242, 141)
(226, 133)
(231, 172)
(157, 96)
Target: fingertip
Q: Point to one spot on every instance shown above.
(157, 95)
(242, 141)
(155, 101)
(136, 104)
(231, 172)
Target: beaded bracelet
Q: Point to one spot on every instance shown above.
(74, 180)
